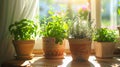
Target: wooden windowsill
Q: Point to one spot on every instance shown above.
(40, 61)
(67, 51)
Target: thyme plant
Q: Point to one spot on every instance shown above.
(80, 29)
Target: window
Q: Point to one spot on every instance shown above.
(110, 13)
(105, 12)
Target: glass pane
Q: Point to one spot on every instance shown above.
(105, 13)
(118, 12)
(110, 13)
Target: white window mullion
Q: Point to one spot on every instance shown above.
(96, 12)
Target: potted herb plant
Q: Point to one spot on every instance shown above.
(80, 32)
(104, 42)
(54, 31)
(24, 33)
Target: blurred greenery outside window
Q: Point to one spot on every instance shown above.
(110, 13)
(110, 9)
(67, 7)
(105, 13)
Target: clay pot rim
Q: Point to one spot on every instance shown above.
(79, 39)
(23, 40)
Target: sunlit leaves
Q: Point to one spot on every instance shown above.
(55, 26)
(105, 35)
(118, 10)
(24, 30)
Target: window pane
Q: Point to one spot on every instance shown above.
(110, 13)
(105, 13)
(118, 12)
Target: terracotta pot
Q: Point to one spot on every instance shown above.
(51, 49)
(104, 49)
(80, 49)
(24, 48)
